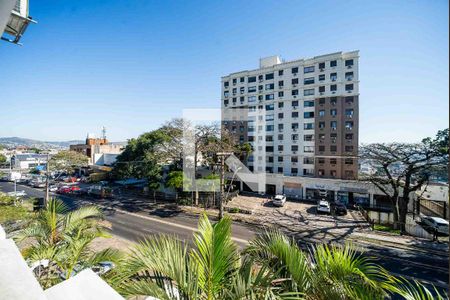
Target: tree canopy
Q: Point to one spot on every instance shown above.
(66, 161)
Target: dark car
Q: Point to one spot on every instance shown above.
(339, 208)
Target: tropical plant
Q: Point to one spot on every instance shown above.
(62, 238)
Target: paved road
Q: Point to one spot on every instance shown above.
(428, 267)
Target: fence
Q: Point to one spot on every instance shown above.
(434, 208)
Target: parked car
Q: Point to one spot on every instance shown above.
(64, 190)
(53, 188)
(433, 223)
(323, 207)
(339, 208)
(279, 200)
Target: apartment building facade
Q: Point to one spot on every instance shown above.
(302, 118)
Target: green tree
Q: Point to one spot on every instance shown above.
(2, 159)
(63, 237)
(67, 161)
(400, 169)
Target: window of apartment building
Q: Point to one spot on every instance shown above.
(333, 173)
(280, 127)
(308, 104)
(349, 76)
(349, 113)
(252, 89)
(242, 79)
(234, 91)
(270, 159)
(349, 87)
(308, 69)
(280, 83)
(333, 138)
(280, 170)
(280, 137)
(333, 125)
(333, 148)
(251, 98)
(225, 102)
(280, 158)
(333, 112)
(269, 148)
(294, 92)
(333, 87)
(333, 101)
(321, 125)
(269, 76)
(294, 159)
(269, 107)
(322, 77)
(349, 62)
(321, 101)
(294, 148)
(333, 161)
(270, 86)
(234, 81)
(321, 113)
(308, 137)
(280, 148)
(349, 174)
(241, 138)
(308, 160)
(251, 138)
(322, 65)
(294, 81)
(251, 128)
(295, 103)
(349, 99)
(348, 148)
(308, 172)
(333, 76)
(309, 80)
(321, 148)
(349, 125)
(308, 92)
(280, 104)
(269, 138)
(234, 100)
(295, 137)
(348, 161)
(349, 136)
(252, 108)
(321, 172)
(233, 129)
(294, 171)
(294, 114)
(252, 79)
(308, 114)
(308, 126)
(308, 149)
(260, 77)
(226, 84)
(241, 99)
(269, 97)
(294, 70)
(322, 89)
(321, 160)
(269, 127)
(280, 72)
(322, 136)
(333, 63)
(251, 158)
(260, 87)
(294, 125)
(280, 115)
(280, 94)
(250, 168)
(226, 94)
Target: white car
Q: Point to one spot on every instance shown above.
(53, 188)
(323, 207)
(436, 223)
(17, 194)
(279, 200)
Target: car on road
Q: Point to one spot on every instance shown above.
(435, 223)
(53, 188)
(339, 208)
(323, 207)
(68, 189)
(17, 194)
(279, 200)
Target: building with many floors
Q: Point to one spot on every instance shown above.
(99, 150)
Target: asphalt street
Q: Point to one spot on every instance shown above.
(426, 266)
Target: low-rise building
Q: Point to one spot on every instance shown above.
(99, 150)
(26, 161)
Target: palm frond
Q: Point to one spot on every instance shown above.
(414, 290)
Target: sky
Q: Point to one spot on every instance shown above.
(132, 65)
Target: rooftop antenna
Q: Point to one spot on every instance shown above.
(104, 132)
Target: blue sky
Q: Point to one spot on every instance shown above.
(131, 65)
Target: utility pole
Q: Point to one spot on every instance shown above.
(47, 181)
(222, 156)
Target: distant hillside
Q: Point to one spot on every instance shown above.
(18, 141)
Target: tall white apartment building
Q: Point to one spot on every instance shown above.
(302, 115)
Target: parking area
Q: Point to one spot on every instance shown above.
(302, 219)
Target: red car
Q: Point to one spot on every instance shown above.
(68, 189)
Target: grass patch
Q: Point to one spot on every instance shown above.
(11, 210)
(385, 228)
